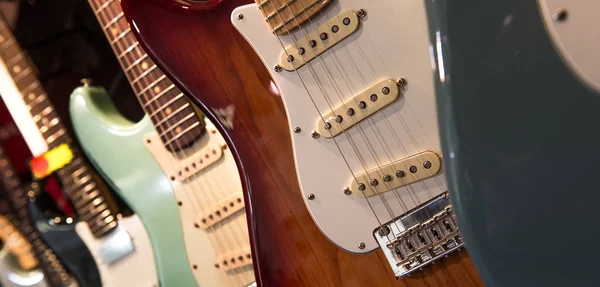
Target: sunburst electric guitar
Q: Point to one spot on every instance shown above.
(173, 168)
(120, 246)
(357, 130)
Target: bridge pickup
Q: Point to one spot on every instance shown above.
(420, 237)
(234, 260)
(396, 174)
(197, 162)
(220, 211)
(319, 40)
(358, 108)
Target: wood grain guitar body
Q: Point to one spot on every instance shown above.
(196, 44)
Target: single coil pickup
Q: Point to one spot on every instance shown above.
(234, 260)
(220, 211)
(358, 108)
(396, 174)
(197, 162)
(323, 38)
(17, 244)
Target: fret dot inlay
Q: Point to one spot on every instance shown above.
(31, 96)
(17, 69)
(1, 39)
(114, 31)
(178, 130)
(157, 89)
(168, 111)
(144, 65)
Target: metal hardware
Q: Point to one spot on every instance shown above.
(561, 15)
(361, 245)
(240, 16)
(420, 237)
(311, 196)
(361, 13)
(86, 82)
(315, 135)
(277, 68)
(297, 130)
(401, 82)
(220, 211)
(347, 191)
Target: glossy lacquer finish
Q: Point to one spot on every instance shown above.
(115, 146)
(209, 60)
(521, 135)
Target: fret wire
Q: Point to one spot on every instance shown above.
(281, 8)
(128, 50)
(172, 114)
(55, 136)
(298, 14)
(114, 20)
(166, 104)
(144, 74)
(136, 62)
(24, 73)
(15, 59)
(158, 95)
(264, 3)
(182, 133)
(115, 40)
(7, 41)
(181, 121)
(106, 4)
(30, 88)
(151, 85)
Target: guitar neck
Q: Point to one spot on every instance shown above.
(172, 115)
(42, 129)
(17, 198)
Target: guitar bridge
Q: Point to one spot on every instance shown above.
(420, 237)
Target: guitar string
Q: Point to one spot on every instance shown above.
(409, 187)
(426, 189)
(368, 119)
(215, 238)
(309, 67)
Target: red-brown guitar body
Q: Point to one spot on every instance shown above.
(208, 59)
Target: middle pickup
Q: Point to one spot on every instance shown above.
(358, 108)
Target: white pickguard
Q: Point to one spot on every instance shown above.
(391, 42)
(11, 275)
(199, 193)
(577, 38)
(136, 269)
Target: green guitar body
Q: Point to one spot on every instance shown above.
(115, 147)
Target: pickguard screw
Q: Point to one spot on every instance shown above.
(278, 68)
(561, 15)
(311, 196)
(315, 135)
(427, 164)
(361, 13)
(361, 245)
(401, 82)
(240, 16)
(347, 191)
(384, 231)
(297, 130)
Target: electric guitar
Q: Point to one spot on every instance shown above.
(518, 102)
(17, 260)
(354, 143)
(115, 243)
(175, 160)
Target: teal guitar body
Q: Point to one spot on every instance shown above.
(114, 145)
(519, 110)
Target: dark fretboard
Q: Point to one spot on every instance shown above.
(172, 114)
(17, 199)
(79, 182)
